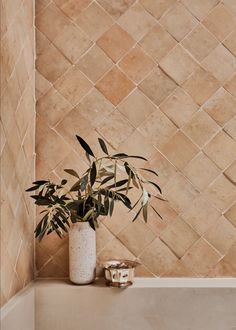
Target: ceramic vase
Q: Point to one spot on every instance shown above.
(82, 253)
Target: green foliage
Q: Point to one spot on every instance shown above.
(95, 193)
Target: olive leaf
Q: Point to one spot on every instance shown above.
(103, 146)
(93, 174)
(148, 170)
(85, 146)
(71, 172)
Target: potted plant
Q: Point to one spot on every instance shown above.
(107, 181)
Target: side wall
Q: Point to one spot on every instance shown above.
(17, 145)
(156, 78)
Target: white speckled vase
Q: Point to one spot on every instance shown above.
(82, 253)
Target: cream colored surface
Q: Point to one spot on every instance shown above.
(19, 312)
(150, 304)
(163, 304)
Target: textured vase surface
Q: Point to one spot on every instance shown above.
(82, 253)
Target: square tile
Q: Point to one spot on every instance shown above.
(73, 85)
(201, 257)
(40, 5)
(164, 168)
(115, 225)
(73, 160)
(231, 5)
(179, 150)
(221, 106)
(222, 235)
(115, 42)
(2, 138)
(21, 72)
(142, 271)
(201, 128)
(230, 42)
(116, 7)
(201, 171)
(179, 237)
(221, 149)
(52, 70)
(221, 63)
(221, 193)
(53, 107)
(137, 144)
(115, 129)
(137, 21)
(200, 42)
(230, 128)
(42, 42)
(73, 8)
(200, 8)
(231, 214)
(50, 147)
(220, 22)
(45, 18)
(136, 107)
(103, 237)
(72, 124)
(230, 172)
(94, 21)
(200, 214)
(157, 86)
(180, 270)
(136, 64)
(95, 63)
(95, 107)
(157, 128)
(178, 64)
(157, 42)
(136, 236)
(115, 86)
(179, 107)
(169, 215)
(178, 21)
(41, 84)
(179, 192)
(201, 85)
(72, 42)
(158, 258)
(230, 85)
(227, 266)
(158, 7)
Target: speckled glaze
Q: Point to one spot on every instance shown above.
(82, 253)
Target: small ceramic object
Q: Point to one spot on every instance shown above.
(82, 253)
(120, 273)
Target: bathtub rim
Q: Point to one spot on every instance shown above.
(17, 299)
(140, 282)
(147, 282)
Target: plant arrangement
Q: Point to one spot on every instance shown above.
(107, 180)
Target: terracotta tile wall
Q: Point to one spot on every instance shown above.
(17, 145)
(156, 78)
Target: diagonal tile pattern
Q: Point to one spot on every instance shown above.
(156, 78)
(17, 155)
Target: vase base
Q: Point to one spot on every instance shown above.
(118, 284)
(81, 283)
